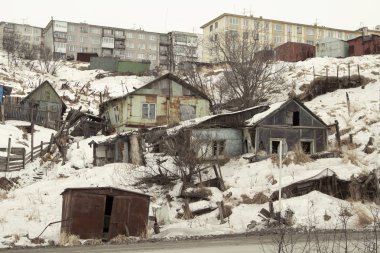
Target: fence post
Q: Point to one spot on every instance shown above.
(42, 143)
(8, 155)
(23, 159)
(32, 135)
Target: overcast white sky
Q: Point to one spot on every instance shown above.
(189, 15)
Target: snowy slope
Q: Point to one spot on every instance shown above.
(28, 208)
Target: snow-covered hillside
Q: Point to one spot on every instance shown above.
(31, 205)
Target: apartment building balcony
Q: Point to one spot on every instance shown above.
(63, 40)
(163, 52)
(119, 36)
(119, 46)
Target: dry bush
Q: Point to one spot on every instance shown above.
(121, 239)
(351, 156)
(270, 178)
(69, 240)
(259, 198)
(34, 215)
(199, 193)
(364, 219)
(299, 155)
(226, 212)
(3, 195)
(92, 242)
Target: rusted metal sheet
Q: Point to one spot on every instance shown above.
(104, 212)
(364, 45)
(293, 52)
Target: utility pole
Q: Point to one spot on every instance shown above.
(280, 177)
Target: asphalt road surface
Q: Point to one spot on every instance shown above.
(241, 244)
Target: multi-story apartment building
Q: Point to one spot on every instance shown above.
(30, 35)
(270, 32)
(66, 39)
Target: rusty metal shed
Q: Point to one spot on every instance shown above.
(293, 52)
(104, 212)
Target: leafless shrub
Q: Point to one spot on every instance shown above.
(364, 219)
(350, 156)
(69, 240)
(299, 155)
(226, 212)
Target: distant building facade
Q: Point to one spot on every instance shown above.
(271, 32)
(30, 35)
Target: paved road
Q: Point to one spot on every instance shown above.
(241, 244)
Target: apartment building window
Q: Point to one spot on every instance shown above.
(141, 56)
(234, 21)
(141, 46)
(278, 39)
(70, 38)
(27, 30)
(129, 35)
(153, 47)
(152, 37)
(83, 39)
(96, 30)
(180, 38)
(330, 34)
(37, 39)
(211, 27)
(299, 30)
(192, 40)
(95, 40)
(108, 40)
(26, 38)
(246, 22)
(83, 29)
(119, 33)
(278, 27)
(72, 48)
(129, 55)
(339, 35)
(320, 33)
(152, 57)
(107, 32)
(71, 28)
(290, 29)
(59, 45)
(130, 45)
(36, 30)
(83, 49)
(141, 36)
(59, 35)
(266, 26)
(310, 31)
(148, 111)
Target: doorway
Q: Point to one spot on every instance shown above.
(107, 217)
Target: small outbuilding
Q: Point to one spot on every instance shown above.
(362, 45)
(331, 47)
(293, 52)
(104, 212)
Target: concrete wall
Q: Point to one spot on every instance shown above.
(332, 48)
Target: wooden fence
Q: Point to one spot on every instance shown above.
(40, 116)
(17, 158)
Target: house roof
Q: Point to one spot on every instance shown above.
(169, 76)
(274, 108)
(39, 86)
(371, 36)
(102, 188)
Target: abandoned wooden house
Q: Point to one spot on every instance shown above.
(215, 137)
(290, 122)
(84, 124)
(253, 130)
(43, 106)
(165, 100)
(104, 212)
(119, 148)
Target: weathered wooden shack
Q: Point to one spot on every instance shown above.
(293, 52)
(331, 47)
(215, 137)
(84, 124)
(104, 212)
(362, 45)
(165, 100)
(291, 122)
(119, 148)
(43, 105)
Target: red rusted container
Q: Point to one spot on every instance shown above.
(104, 212)
(293, 52)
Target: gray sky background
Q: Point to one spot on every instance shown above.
(189, 15)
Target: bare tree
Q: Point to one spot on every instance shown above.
(250, 72)
(48, 62)
(11, 45)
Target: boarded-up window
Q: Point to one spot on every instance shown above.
(289, 118)
(187, 112)
(149, 111)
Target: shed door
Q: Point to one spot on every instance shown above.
(129, 213)
(87, 215)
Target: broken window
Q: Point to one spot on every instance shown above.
(218, 148)
(187, 112)
(149, 111)
(116, 112)
(307, 147)
(275, 145)
(292, 118)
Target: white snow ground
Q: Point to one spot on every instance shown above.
(35, 203)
